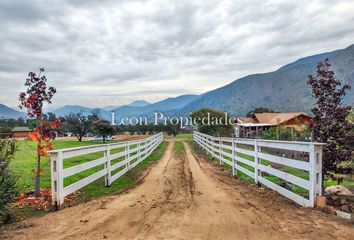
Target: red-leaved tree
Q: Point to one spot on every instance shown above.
(33, 99)
(330, 125)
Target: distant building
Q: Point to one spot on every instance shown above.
(21, 132)
(254, 126)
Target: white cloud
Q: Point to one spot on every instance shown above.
(104, 53)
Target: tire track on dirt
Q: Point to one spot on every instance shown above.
(183, 197)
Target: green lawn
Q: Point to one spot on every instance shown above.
(25, 160)
(178, 148)
(185, 135)
(348, 181)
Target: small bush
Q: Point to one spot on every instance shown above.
(287, 134)
(7, 181)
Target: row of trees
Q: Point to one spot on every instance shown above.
(80, 125)
(7, 124)
(219, 125)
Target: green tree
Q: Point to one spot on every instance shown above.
(7, 181)
(172, 129)
(213, 122)
(51, 117)
(80, 124)
(260, 110)
(103, 128)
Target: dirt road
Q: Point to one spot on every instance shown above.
(184, 197)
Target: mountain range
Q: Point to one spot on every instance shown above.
(136, 108)
(137, 103)
(284, 90)
(7, 112)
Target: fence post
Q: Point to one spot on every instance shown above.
(220, 152)
(315, 173)
(319, 180)
(256, 161)
(107, 165)
(57, 179)
(139, 158)
(233, 158)
(209, 146)
(127, 149)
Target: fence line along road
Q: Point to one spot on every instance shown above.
(293, 169)
(124, 155)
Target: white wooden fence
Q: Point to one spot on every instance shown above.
(132, 152)
(271, 158)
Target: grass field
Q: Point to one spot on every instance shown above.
(178, 148)
(347, 182)
(184, 135)
(25, 160)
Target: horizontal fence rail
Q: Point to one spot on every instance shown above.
(293, 169)
(117, 159)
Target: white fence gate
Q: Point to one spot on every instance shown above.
(132, 152)
(297, 165)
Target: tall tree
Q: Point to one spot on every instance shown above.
(80, 124)
(33, 99)
(171, 129)
(103, 128)
(330, 125)
(51, 117)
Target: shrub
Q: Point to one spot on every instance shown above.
(220, 124)
(7, 181)
(331, 123)
(287, 134)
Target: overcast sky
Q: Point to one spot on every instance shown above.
(98, 53)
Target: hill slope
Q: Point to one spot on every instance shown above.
(167, 105)
(139, 103)
(137, 108)
(284, 90)
(77, 108)
(7, 112)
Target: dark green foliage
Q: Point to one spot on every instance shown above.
(219, 124)
(5, 132)
(287, 134)
(7, 182)
(49, 117)
(80, 124)
(172, 129)
(260, 110)
(11, 123)
(103, 128)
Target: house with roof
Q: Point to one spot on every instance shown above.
(21, 132)
(254, 126)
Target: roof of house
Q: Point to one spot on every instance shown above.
(270, 118)
(246, 120)
(21, 129)
(277, 118)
